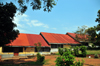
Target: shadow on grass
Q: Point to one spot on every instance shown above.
(33, 63)
(23, 63)
(80, 55)
(14, 63)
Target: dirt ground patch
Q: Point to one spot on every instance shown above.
(88, 61)
(51, 61)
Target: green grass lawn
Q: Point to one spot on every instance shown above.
(92, 52)
(88, 52)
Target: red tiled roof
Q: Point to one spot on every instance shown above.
(73, 35)
(21, 40)
(58, 38)
(33, 38)
(28, 40)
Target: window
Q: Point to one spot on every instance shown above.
(53, 45)
(47, 49)
(61, 46)
(43, 49)
(8, 49)
(56, 45)
(11, 49)
(20, 49)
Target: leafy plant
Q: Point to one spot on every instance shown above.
(40, 58)
(76, 51)
(96, 56)
(59, 61)
(60, 50)
(38, 46)
(83, 50)
(67, 59)
(79, 63)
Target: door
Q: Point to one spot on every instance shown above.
(16, 51)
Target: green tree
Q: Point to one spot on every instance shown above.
(38, 46)
(92, 32)
(81, 34)
(7, 31)
(98, 19)
(46, 5)
(98, 29)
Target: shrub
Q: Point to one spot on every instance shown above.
(67, 59)
(40, 58)
(65, 49)
(96, 56)
(59, 61)
(83, 50)
(79, 63)
(60, 50)
(76, 51)
(93, 46)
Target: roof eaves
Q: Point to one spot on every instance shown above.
(58, 43)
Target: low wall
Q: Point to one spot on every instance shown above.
(53, 50)
(9, 55)
(43, 53)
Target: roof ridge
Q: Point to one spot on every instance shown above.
(52, 33)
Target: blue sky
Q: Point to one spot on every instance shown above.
(65, 17)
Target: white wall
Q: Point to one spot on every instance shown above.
(54, 50)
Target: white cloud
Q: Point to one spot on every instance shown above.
(22, 30)
(23, 22)
(29, 24)
(27, 20)
(46, 26)
(24, 15)
(54, 28)
(18, 19)
(36, 23)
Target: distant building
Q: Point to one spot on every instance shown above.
(58, 40)
(73, 35)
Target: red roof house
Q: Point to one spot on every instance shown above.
(53, 38)
(28, 40)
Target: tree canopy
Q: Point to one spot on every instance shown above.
(47, 5)
(92, 32)
(98, 29)
(7, 13)
(7, 31)
(98, 19)
(81, 34)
